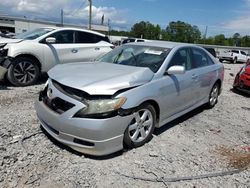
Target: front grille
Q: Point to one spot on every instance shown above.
(56, 104)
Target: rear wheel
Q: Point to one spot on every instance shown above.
(213, 96)
(235, 60)
(141, 127)
(23, 71)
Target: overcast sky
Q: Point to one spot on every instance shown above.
(220, 16)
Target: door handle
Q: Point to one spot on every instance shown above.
(97, 48)
(74, 50)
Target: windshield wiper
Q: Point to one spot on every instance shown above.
(134, 58)
(118, 57)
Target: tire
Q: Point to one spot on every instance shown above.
(23, 71)
(235, 60)
(213, 95)
(141, 127)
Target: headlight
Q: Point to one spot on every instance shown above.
(101, 107)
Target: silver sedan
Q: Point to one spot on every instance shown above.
(100, 107)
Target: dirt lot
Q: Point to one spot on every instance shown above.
(200, 143)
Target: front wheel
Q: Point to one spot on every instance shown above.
(23, 71)
(213, 96)
(141, 127)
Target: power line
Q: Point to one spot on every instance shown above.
(77, 10)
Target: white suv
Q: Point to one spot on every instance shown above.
(30, 54)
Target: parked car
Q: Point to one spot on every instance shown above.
(128, 40)
(233, 56)
(30, 54)
(242, 79)
(97, 108)
(4, 35)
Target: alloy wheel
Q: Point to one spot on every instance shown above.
(214, 95)
(141, 125)
(24, 72)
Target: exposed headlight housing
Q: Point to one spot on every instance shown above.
(101, 108)
(3, 51)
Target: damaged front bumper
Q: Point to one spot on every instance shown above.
(4, 61)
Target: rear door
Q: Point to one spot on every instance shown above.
(203, 74)
(90, 46)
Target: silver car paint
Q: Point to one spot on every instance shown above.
(174, 94)
(106, 78)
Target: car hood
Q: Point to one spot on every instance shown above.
(100, 78)
(9, 40)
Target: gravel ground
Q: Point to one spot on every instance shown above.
(201, 142)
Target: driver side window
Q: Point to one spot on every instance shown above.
(182, 58)
(64, 37)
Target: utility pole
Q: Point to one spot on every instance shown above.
(109, 27)
(90, 13)
(61, 17)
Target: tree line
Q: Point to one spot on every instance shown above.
(181, 32)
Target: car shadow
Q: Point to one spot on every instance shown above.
(242, 93)
(4, 86)
(179, 120)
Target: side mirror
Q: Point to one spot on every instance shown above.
(50, 40)
(177, 69)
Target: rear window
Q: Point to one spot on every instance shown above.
(235, 51)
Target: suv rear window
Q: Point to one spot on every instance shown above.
(235, 51)
(85, 37)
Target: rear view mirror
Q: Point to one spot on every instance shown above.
(177, 69)
(50, 40)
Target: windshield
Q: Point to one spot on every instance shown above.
(33, 34)
(139, 56)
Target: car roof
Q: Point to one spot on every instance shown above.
(163, 44)
(75, 29)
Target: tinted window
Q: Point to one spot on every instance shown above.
(139, 40)
(182, 57)
(243, 53)
(235, 51)
(200, 58)
(101, 38)
(211, 51)
(85, 37)
(63, 37)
